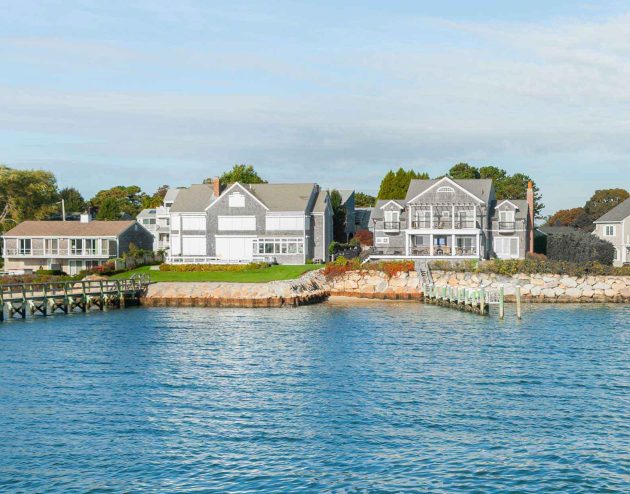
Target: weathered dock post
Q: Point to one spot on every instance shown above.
(501, 303)
(482, 301)
(517, 294)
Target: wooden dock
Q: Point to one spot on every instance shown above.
(22, 299)
(475, 300)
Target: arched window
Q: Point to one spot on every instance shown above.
(447, 190)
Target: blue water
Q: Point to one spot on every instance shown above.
(379, 397)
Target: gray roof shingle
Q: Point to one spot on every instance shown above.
(619, 213)
(70, 228)
(479, 187)
(283, 197)
(193, 199)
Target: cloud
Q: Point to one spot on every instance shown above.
(550, 100)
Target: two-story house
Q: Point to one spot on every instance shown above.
(614, 226)
(157, 220)
(69, 246)
(452, 219)
(285, 223)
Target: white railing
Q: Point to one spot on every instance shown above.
(202, 260)
(55, 253)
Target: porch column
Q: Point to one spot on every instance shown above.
(431, 241)
(453, 216)
(431, 220)
(407, 239)
(478, 246)
(453, 243)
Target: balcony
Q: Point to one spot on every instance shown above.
(507, 226)
(38, 253)
(391, 226)
(444, 224)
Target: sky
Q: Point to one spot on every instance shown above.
(334, 92)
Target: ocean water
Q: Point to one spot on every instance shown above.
(344, 398)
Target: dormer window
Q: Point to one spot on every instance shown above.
(446, 190)
(237, 200)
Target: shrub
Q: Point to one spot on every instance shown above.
(580, 247)
(214, 267)
(364, 237)
(533, 265)
(50, 272)
(342, 265)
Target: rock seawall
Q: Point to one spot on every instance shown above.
(374, 284)
(548, 288)
(308, 289)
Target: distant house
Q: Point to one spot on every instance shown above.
(453, 219)
(286, 223)
(614, 227)
(157, 220)
(70, 246)
(347, 201)
(362, 219)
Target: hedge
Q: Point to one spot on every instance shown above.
(214, 267)
(342, 265)
(578, 247)
(537, 264)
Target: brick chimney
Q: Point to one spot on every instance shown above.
(530, 207)
(216, 187)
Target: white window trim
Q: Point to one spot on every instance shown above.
(502, 255)
(382, 240)
(613, 228)
(232, 229)
(446, 190)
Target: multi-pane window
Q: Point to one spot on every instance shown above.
(25, 246)
(52, 246)
(609, 230)
(382, 240)
(506, 246)
(279, 246)
(236, 200)
(76, 246)
(90, 246)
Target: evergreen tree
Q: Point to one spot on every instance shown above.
(339, 217)
(109, 209)
(73, 200)
(395, 184)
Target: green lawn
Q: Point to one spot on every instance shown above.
(271, 273)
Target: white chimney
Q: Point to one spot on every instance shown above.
(86, 217)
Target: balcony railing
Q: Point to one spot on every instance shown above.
(391, 226)
(56, 253)
(507, 226)
(442, 224)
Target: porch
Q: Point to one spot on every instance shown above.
(443, 245)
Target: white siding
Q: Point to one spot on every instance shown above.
(284, 223)
(193, 246)
(193, 223)
(234, 248)
(237, 223)
(175, 250)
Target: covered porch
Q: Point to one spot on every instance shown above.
(442, 245)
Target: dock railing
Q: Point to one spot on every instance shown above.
(475, 300)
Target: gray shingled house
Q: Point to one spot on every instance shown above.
(452, 219)
(614, 226)
(70, 246)
(284, 223)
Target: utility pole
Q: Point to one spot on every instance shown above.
(63, 210)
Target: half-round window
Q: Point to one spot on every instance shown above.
(447, 190)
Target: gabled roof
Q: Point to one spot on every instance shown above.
(477, 187)
(321, 203)
(521, 206)
(283, 197)
(345, 195)
(171, 194)
(386, 202)
(619, 213)
(93, 228)
(194, 199)
(556, 230)
(508, 201)
(146, 212)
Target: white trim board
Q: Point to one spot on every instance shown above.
(225, 192)
(450, 181)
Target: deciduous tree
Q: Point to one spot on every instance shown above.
(362, 200)
(242, 173)
(463, 171)
(74, 202)
(130, 199)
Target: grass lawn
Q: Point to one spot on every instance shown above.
(271, 273)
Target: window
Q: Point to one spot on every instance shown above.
(90, 246)
(616, 258)
(51, 246)
(420, 240)
(506, 216)
(237, 223)
(392, 216)
(148, 221)
(275, 223)
(465, 242)
(25, 246)
(193, 223)
(382, 240)
(237, 200)
(506, 247)
(76, 246)
(446, 190)
(609, 230)
(269, 246)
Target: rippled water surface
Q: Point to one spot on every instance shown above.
(375, 397)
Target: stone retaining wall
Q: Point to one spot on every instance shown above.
(544, 287)
(310, 288)
(374, 284)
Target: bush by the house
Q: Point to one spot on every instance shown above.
(364, 237)
(342, 265)
(537, 264)
(580, 247)
(214, 267)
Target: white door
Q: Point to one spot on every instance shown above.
(506, 247)
(234, 248)
(75, 267)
